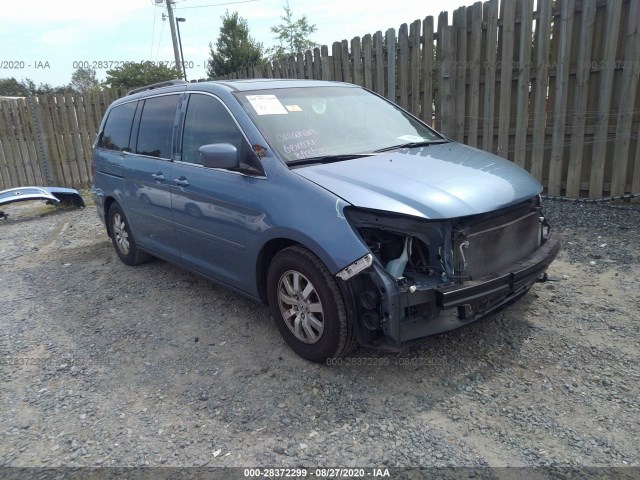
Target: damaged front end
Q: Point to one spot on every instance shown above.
(51, 195)
(425, 277)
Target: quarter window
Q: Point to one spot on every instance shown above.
(156, 126)
(206, 122)
(118, 128)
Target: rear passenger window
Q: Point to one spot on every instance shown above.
(118, 128)
(156, 126)
(207, 121)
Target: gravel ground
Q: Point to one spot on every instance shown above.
(108, 365)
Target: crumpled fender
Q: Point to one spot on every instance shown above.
(52, 195)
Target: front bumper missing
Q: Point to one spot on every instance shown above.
(410, 314)
(520, 274)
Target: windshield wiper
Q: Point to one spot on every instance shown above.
(328, 158)
(426, 143)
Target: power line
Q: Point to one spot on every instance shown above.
(153, 30)
(217, 4)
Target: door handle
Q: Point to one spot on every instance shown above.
(182, 181)
(158, 176)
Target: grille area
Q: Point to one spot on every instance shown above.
(491, 246)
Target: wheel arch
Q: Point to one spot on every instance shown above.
(108, 201)
(271, 248)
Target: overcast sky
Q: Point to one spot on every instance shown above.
(46, 40)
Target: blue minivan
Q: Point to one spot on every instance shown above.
(352, 219)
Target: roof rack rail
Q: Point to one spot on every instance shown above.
(166, 83)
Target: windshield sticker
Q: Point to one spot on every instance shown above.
(266, 105)
(293, 108)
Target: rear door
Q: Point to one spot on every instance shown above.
(148, 174)
(209, 204)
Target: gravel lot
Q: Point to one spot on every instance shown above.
(108, 365)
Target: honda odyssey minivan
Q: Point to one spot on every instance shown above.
(354, 221)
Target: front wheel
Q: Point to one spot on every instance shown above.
(307, 306)
(122, 239)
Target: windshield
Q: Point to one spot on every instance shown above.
(315, 122)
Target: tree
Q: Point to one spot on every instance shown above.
(293, 35)
(12, 88)
(133, 75)
(235, 49)
(84, 80)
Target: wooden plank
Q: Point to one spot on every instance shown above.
(268, 69)
(85, 136)
(506, 73)
(414, 57)
(7, 136)
(427, 70)
(491, 43)
(337, 61)
(300, 64)
(325, 63)
(628, 92)
(379, 65)
(356, 55)
(5, 180)
(443, 21)
(317, 64)
(367, 50)
(21, 152)
(605, 91)
(64, 144)
(55, 162)
(31, 164)
(447, 81)
(346, 64)
(581, 95)
(308, 64)
(561, 98)
(460, 69)
(70, 134)
(475, 59)
(542, 81)
(403, 66)
(524, 77)
(391, 65)
(81, 160)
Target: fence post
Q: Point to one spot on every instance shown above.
(44, 154)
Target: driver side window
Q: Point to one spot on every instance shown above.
(207, 121)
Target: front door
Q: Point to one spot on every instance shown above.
(208, 204)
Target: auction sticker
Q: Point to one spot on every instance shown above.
(266, 105)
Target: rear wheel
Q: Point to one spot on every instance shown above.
(307, 306)
(122, 239)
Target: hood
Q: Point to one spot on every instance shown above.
(436, 182)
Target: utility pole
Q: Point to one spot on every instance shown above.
(172, 24)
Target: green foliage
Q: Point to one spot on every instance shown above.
(10, 87)
(84, 80)
(235, 49)
(133, 75)
(292, 35)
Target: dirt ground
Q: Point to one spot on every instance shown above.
(108, 365)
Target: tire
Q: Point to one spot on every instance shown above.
(308, 307)
(122, 239)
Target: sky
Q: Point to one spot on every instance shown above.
(46, 41)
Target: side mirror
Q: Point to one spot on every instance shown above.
(219, 155)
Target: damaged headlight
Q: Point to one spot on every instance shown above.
(405, 246)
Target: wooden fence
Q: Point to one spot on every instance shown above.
(552, 87)
(46, 140)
